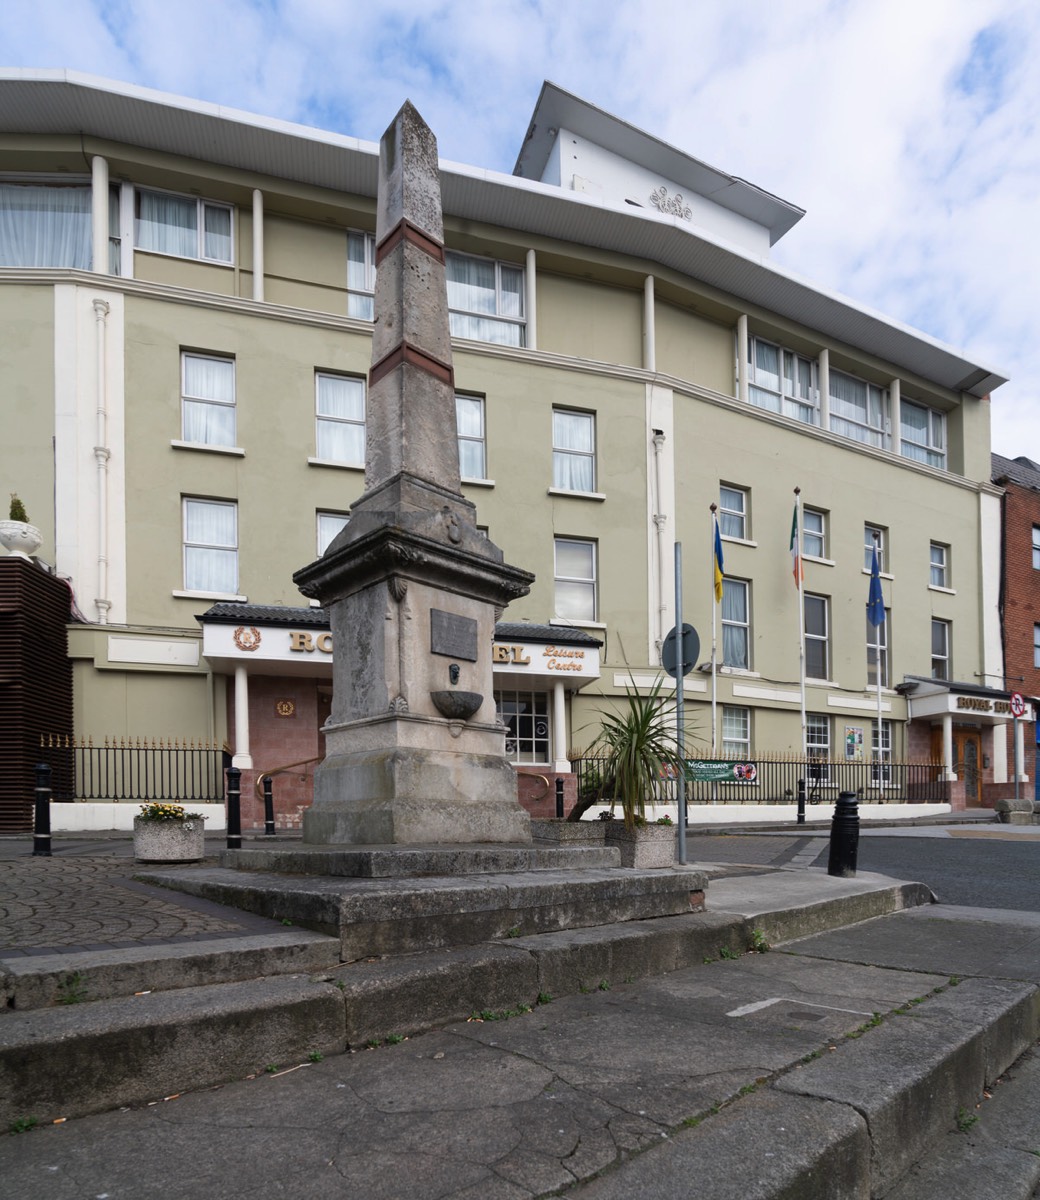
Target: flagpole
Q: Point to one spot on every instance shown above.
(714, 641)
(876, 617)
(800, 581)
(877, 539)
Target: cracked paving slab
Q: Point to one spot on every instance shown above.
(482, 1110)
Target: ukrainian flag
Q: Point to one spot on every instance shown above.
(719, 573)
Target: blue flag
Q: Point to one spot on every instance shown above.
(875, 597)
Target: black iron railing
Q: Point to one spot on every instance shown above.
(180, 772)
(775, 779)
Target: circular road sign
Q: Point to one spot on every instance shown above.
(691, 647)
(1018, 705)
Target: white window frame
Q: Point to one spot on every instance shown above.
(878, 641)
(818, 747)
(497, 325)
(941, 656)
(361, 275)
(736, 732)
(730, 588)
(819, 604)
(938, 565)
(814, 533)
(871, 426)
(328, 525)
(884, 757)
(1036, 547)
(734, 511)
(868, 546)
(564, 455)
(330, 420)
(228, 550)
(76, 252)
(526, 731)
(192, 398)
(1036, 646)
(932, 450)
(586, 583)
(782, 392)
(468, 440)
(201, 207)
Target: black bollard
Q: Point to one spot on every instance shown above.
(268, 806)
(234, 808)
(844, 836)
(801, 802)
(42, 814)
(559, 798)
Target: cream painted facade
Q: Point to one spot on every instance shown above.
(640, 314)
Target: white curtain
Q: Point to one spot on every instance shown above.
(210, 547)
(45, 226)
(469, 420)
(167, 224)
(576, 580)
(340, 433)
(573, 445)
(216, 227)
(734, 623)
(209, 401)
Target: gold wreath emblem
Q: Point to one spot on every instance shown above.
(247, 639)
(285, 708)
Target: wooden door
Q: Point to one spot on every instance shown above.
(967, 757)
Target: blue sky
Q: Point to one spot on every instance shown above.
(907, 130)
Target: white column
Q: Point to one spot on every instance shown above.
(649, 326)
(530, 302)
(742, 358)
(242, 758)
(102, 454)
(258, 244)
(559, 702)
(1000, 755)
(1020, 754)
(947, 728)
(893, 416)
(823, 371)
(99, 213)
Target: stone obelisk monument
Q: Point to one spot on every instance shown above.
(415, 751)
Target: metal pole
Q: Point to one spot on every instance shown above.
(559, 797)
(680, 741)
(42, 814)
(1018, 765)
(234, 808)
(268, 806)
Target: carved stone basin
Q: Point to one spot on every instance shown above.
(455, 705)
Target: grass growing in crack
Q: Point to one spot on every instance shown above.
(604, 985)
(727, 953)
(747, 1089)
(503, 1014)
(271, 1068)
(514, 932)
(965, 1120)
(71, 990)
(873, 1023)
(22, 1125)
(758, 943)
(372, 1044)
(315, 1056)
(394, 1039)
(544, 998)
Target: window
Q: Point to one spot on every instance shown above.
(211, 546)
(736, 732)
(939, 564)
(575, 579)
(183, 225)
(574, 451)
(1036, 547)
(818, 746)
(858, 409)
(881, 752)
(526, 718)
(45, 225)
(1036, 645)
(940, 649)
(814, 533)
(782, 381)
(329, 525)
(485, 299)
(733, 512)
(922, 434)
(817, 637)
(207, 400)
(361, 275)
(340, 434)
(877, 646)
(873, 535)
(469, 421)
(735, 623)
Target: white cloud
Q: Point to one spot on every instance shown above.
(907, 130)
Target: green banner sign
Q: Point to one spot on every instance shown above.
(716, 770)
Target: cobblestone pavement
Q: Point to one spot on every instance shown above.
(73, 902)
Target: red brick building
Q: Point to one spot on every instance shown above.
(1020, 587)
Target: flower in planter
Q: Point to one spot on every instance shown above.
(665, 820)
(167, 812)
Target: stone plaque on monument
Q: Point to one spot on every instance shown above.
(452, 635)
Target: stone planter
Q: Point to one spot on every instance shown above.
(569, 833)
(644, 846)
(20, 538)
(170, 841)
